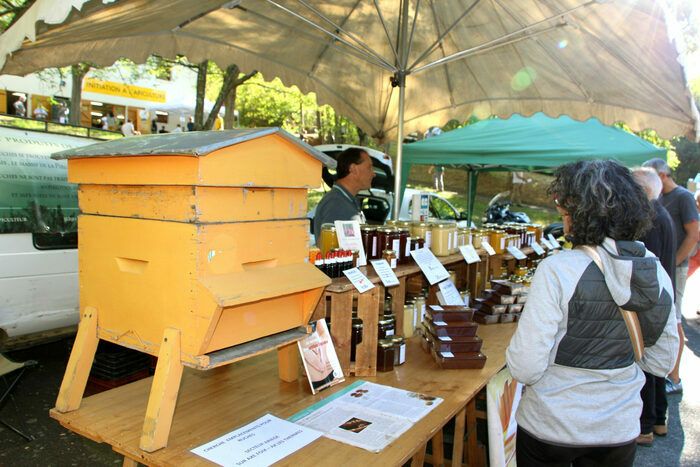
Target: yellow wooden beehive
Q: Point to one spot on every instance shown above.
(204, 232)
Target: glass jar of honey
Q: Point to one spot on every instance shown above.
(385, 355)
(409, 316)
(369, 241)
(441, 239)
(390, 257)
(386, 327)
(328, 240)
(421, 229)
(497, 239)
(399, 350)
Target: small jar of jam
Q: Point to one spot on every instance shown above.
(355, 337)
(399, 350)
(386, 326)
(390, 257)
(369, 241)
(385, 355)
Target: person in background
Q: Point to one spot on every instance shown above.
(20, 109)
(177, 129)
(438, 173)
(62, 113)
(128, 128)
(190, 124)
(154, 126)
(162, 129)
(660, 240)
(571, 348)
(519, 181)
(40, 113)
(680, 204)
(354, 173)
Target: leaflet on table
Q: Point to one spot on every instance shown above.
(487, 246)
(385, 273)
(350, 238)
(359, 280)
(538, 249)
(320, 360)
(449, 295)
(515, 251)
(432, 268)
(261, 442)
(470, 254)
(367, 415)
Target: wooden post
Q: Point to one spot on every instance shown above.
(79, 363)
(458, 443)
(163, 396)
(288, 362)
(438, 453)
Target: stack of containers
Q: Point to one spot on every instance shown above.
(501, 304)
(450, 335)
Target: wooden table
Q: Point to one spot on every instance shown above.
(212, 403)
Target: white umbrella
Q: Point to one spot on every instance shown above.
(451, 58)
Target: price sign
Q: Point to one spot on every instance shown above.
(359, 280)
(470, 254)
(538, 249)
(385, 273)
(487, 246)
(553, 241)
(517, 254)
(432, 268)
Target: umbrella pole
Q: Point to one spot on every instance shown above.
(399, 152)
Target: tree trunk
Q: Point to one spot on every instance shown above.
(230, 104)
(201, 91)
(231, 82)
(77, 72)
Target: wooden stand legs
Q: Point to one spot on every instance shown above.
(163, 396)
(288, 362)
(79, 364)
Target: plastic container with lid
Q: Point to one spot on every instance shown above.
(328, 240)
(409, 316)
(385, 355)
(441, 244)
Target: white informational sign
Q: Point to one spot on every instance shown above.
(553, 241)
(262, 442)
(487, 246)
(420, 207)
(367, 415)
(350, 238)
(470, 254)
(432, 268)
(359, 280)
(515, 251)
(449, 294)
(546, 243)
(537, 248)
(385, 273)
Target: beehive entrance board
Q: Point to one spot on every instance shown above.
(192, 247)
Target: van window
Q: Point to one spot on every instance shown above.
(55, 241)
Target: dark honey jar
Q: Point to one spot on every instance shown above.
(385, 355)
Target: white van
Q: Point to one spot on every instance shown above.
(38, 236)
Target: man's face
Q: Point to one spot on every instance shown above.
(364, 172)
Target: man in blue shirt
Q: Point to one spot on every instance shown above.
(354, 173)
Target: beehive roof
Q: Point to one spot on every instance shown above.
(195, 143)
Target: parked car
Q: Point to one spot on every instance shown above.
(334, 149)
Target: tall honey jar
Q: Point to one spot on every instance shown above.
(329, 238)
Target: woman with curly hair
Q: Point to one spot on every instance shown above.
(572, 349)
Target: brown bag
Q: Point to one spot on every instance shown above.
(630, 317)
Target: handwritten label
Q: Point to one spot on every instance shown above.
(385, 273)
(432, 268)
(450, 294)
(470, 254)
(515, 251)
(359, 280)
(487, 246)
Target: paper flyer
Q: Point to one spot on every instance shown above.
(319, 358)
(259, 443)
(432, 268)
(367, 415)
(350, 238)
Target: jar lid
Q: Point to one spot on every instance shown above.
(328, 226)
(385, 343)
(389, 252)
(440, 226)
(403, 230)
(386, 321)
(367, 228)
(397, 339)
(421, 224)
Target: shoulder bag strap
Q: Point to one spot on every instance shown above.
(630, 317)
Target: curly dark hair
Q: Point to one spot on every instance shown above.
(603, 200)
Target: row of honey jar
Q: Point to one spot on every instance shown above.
(443, 238)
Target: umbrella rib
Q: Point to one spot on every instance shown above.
(616, 54)
(413, 29)
(498, 40)
(367, 54)
(432, 46)
(328, 44)
(285, 65)
(442, 49)
(388, 36)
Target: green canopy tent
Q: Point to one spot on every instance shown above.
(536, 144)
